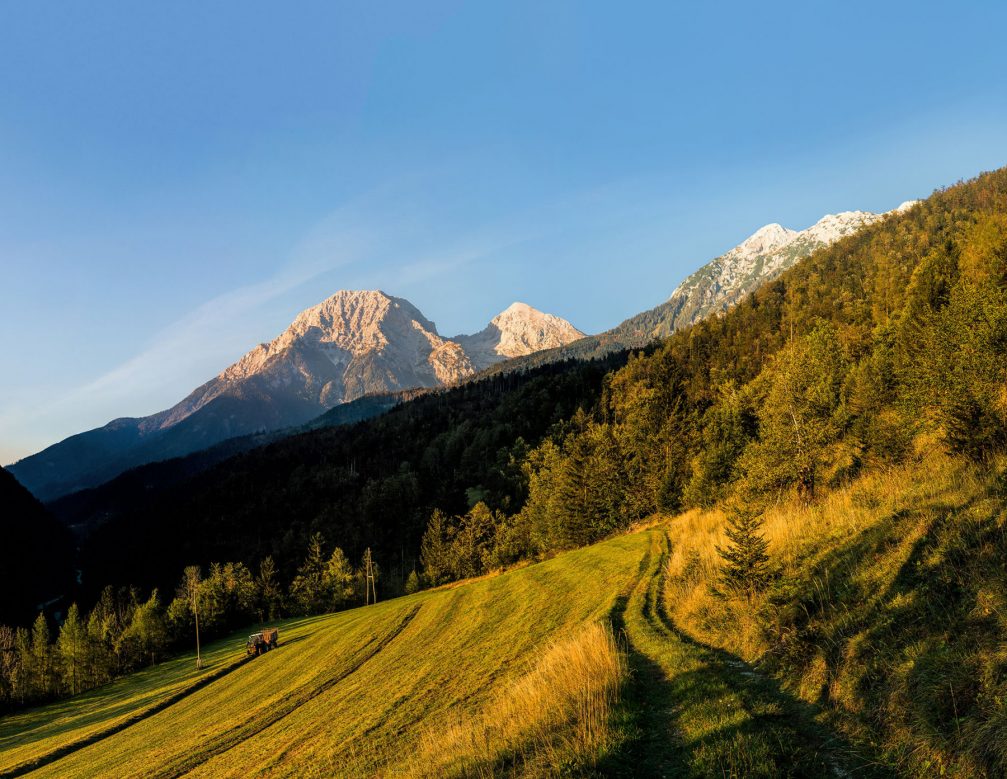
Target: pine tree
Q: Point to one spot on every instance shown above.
(308, 587)
(338, 579)
(98, 660)
(146, 634)
(24, 671)
(746, 563)
(270, 590)
(8, 663)
(41, 657)
(71, 648)
(435, 550)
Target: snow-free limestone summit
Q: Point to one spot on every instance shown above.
(352, 344)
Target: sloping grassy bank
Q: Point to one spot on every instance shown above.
(695, 710)
(889, 611)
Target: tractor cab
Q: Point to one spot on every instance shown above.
(258, 643)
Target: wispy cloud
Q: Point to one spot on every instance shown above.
(191, 349)
(366, 244)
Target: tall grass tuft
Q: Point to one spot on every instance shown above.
(551, 720)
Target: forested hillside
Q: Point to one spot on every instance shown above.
(85, 510)
(835, 367)
(839, 366)
(373, 484)
(36, 555)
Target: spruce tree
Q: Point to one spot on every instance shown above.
(435, 550)
(338, 579)
(25, 665)
(270, 590)
(71, 648)
(308, 587)
(41, 657)
(746, 563)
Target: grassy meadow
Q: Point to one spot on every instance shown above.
(877, 650)
(512, 673)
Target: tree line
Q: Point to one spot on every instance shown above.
(124, 631)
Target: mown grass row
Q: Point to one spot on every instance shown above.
(509, 674)
(33, 737)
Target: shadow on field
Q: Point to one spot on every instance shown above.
(647, 715)
(923, 630)
(783, 732)
(719, 716)
(295, 640)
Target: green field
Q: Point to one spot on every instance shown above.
(499, 676)
(353, 693)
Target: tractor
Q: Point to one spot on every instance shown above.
(258, 643)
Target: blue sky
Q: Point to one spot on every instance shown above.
(178, 180)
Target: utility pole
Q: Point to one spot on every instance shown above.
(192, 585)
(369, 588)
(195, 610)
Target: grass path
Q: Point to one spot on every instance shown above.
(692, 710)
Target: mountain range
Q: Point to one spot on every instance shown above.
(354, 343)
(715, 287)
(761, 257)
(359, 343)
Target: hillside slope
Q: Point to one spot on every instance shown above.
(347, 694)
(84, 510)
(36, 553)
(509, 674)
(370, 484)
(715, 287)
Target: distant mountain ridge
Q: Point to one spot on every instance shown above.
(352, 344)
(358, 343)
(716, 286)
(761, 257)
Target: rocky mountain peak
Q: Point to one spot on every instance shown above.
(766, 238)
(762, 256)
(516, 331)
(354, 343)
(358, 342)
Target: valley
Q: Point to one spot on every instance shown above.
(509, 390)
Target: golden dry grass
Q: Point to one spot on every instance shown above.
(556, 714)
(888, 609)
(796, 533)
